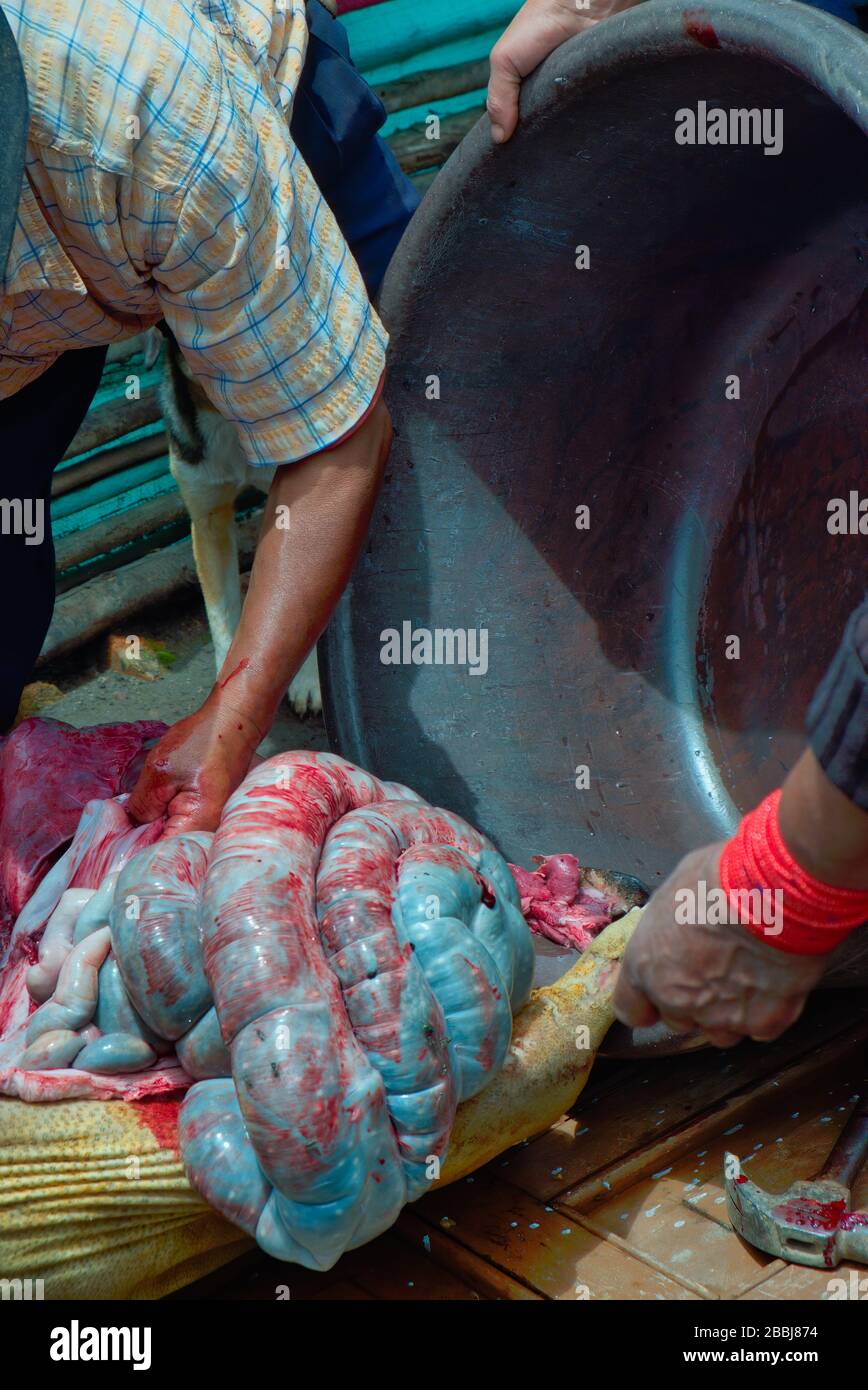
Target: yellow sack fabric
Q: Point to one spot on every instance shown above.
(94, 1205)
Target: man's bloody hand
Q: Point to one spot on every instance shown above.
(298, 576)
(195, 767)
(721, 980)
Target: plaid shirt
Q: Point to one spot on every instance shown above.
(161, 182)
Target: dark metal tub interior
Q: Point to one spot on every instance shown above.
(606, 387)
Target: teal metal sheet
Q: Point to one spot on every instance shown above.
(402, 30)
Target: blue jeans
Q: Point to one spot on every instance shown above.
(335, 122)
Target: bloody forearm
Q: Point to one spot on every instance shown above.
(315, 522)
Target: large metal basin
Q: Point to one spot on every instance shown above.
(607, 387)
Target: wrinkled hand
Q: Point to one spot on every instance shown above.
(721, 980)
(195, 768)
(538, 29)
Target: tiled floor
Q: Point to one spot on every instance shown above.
(624, 1198)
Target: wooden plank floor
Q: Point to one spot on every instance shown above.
(624, 1198)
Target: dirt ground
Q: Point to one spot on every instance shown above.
(94, 695)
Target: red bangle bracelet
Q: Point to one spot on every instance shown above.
(810, 917)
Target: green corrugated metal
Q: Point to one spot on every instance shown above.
(448, 106)
(390, 40)
(401, 31)
(438, 55)
(112, 386)
(401, 37)
(98, 501)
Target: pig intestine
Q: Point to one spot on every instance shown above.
(336, 968)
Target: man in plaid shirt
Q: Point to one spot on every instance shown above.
(205, 162)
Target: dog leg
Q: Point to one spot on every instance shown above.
(215, 550)
(304, 691)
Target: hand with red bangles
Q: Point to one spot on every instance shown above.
(796, 871)
(195, 767)
(720, 980)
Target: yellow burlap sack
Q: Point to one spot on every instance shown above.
(94, 1206)
(93, 1196)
